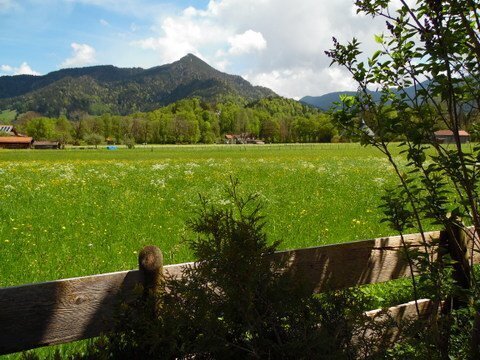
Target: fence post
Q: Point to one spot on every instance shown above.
(458, 245)
(150, 263)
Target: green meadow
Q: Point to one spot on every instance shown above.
(68, 213)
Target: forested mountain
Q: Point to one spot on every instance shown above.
(106, 89)
(326, 101)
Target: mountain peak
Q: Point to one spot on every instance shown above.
(191, 59)
(190, 56)
(100, 89)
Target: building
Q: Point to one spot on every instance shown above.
(15, 142)
(241, 139)
(46, 145)
(446, 136)
(7, 129)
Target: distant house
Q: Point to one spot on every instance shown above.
(446, 136)
(230, 139)
(241, 139)
(15, 142)
(46, 145)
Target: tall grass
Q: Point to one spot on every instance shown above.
(80, 212)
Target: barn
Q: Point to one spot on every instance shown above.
(15, 142)
(446, 136)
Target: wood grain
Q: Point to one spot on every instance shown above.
(357, 263)
(72, 309)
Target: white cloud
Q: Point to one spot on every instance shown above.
(104, 22)
(284, 40)
(83, 54)
(6, 68)
(246, 43)
(23, 69)
(299, 81)
(180, 36)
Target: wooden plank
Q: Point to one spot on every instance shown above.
(393, 321)
(73, 309)
(403, 312)
(351, 264)
(60, 311)
(66, 310)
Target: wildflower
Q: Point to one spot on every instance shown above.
(159, 166)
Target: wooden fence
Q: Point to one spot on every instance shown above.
(66, 310)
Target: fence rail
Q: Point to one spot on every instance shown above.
(66, 310)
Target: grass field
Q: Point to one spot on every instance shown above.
(79, 212)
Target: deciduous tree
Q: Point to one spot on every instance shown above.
(427, 68)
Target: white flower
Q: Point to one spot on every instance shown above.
(159, 166)
(158, 182)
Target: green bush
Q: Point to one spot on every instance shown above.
(235, 302)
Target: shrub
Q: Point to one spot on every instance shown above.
(235, 301)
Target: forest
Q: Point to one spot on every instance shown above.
(188, 121)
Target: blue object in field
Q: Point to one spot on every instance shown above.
(111, 147)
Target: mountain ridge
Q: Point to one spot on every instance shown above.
(106, 88)
(326, 101)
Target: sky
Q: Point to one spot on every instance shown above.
(279, 44)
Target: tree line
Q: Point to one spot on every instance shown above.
(189, 121)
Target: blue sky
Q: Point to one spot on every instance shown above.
(274, 43)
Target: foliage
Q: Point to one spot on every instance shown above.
(41, 128)
(428, 72)
(7, 116)
(192, 121)
(130, 143)
(93, 139)
(236, 301)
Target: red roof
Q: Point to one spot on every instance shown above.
(450, 133)
(15, 140)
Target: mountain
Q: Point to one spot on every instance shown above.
(101, 89)
(325, 102)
